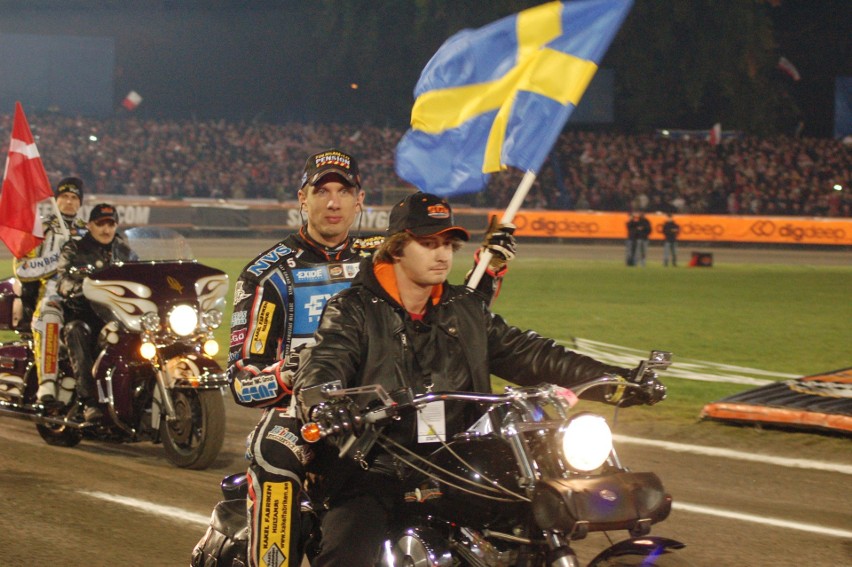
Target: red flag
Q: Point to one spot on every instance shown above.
(715, 136)
(131, 101)
(25, 183)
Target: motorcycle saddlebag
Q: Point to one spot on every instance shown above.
(622, 501)
(225, 543)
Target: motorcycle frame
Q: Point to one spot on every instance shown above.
(514, 422)
(113, 368)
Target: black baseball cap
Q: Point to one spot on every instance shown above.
(73, 185)
(331, 161)
(424, 214)
(103, 211)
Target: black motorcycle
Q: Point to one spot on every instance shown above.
(526, 480)
(154, 369)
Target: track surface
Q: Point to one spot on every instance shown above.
(50, 517)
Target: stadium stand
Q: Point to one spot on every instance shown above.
(587, 170)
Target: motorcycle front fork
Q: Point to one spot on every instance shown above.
(165, 394)
(560, 553)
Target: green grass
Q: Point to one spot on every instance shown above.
(782, 318)
(792, 319)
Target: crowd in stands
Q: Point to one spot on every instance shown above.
(586, 171)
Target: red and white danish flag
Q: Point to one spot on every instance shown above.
(131, 101)
(25, 184)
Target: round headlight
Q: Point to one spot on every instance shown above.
(212, 319)
(148, 350)
(586, 442)
(211, 347)
(183, 320)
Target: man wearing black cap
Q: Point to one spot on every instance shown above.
(402, 326)
(98, 249)
(36, 272)
(280, 293)
(278, 300)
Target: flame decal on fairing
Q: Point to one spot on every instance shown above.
(126, 300)
(211, 292)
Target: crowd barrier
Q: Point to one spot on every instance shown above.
(274, 217)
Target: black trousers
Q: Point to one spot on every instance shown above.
(81, 337)
(358, 520)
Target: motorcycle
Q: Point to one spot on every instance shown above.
(154, 369)
(530, 477)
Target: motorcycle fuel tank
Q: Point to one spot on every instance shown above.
(486, 499)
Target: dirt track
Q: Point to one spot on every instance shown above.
(55, 512)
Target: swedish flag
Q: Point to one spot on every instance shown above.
(499, 95)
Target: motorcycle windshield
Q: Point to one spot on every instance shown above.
(158, 243)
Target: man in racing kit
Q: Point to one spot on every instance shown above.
(278, 300)
(37, 271)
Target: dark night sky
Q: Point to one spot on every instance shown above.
(239, 63)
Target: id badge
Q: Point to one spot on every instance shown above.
(431, 423)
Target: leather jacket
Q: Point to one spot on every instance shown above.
(366, 337)
(77, 256)
(278, 300)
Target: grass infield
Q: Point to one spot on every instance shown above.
(782, 318)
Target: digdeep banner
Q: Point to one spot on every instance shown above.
(703, 228)
(285, 217)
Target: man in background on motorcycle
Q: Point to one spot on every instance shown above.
(278, 300)
(403, 326)
(98, 249)
(36, 273)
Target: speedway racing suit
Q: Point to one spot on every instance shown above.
(42, 304)
(278, 300)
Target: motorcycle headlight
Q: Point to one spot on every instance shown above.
(211, 347)
(148, 350)
(183, 320)
(212, 319)
(586, 442)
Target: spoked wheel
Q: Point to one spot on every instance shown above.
(194, 438)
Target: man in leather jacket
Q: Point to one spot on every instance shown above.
(401, 325)
(278, 300)
(98, 249)
(37, 271)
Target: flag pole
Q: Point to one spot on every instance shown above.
(508, 216)
(66, 234)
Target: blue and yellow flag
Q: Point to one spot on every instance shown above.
(499, 95)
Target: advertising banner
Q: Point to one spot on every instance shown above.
(286, 217)
(700, 228)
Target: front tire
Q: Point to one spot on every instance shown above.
(195, 437)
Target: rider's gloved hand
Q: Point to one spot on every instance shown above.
(500, 241)
(649, 392)
(336, 417)
(289, 366)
